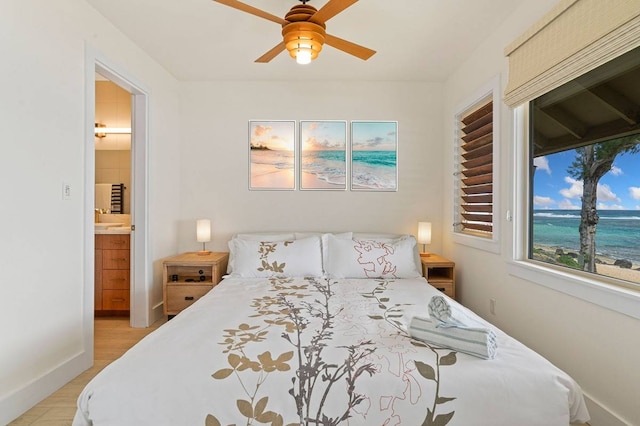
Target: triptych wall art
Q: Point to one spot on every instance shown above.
(323, 155)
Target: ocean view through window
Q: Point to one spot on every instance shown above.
(585, 174)
(557, 239)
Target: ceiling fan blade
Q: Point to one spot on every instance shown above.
(331, 9)
(349, 47)
(252, 10)
(272, 53)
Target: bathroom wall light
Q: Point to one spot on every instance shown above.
(102, 130)
(99, 130)
(424, 236)
(203, 234)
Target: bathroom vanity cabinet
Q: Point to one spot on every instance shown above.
(112, 274)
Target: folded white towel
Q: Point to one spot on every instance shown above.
(448, 314)
(480, 342)
(103, 196)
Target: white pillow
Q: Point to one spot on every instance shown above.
(371, 258)
(377, 236)
(255, 237)
(267, 236)
(299, 235)
(291, 258)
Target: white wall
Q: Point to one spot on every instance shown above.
(42, 245)
(215, 158)
(597, 346)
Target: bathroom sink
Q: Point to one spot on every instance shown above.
(104, 225)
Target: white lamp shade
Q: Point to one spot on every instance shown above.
(424, 232)
(203, 230)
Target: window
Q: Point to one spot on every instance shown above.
(475, 201)
(584, 153)
(572, 39)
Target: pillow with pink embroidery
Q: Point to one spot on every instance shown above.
(381, 258)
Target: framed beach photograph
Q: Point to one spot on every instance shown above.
(272, 155)
(374, 155)
(323, 155)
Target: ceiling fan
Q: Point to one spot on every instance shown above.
(304, 30)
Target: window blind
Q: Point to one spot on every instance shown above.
(575, 37)
(476, 171)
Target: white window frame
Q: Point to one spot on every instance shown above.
(492, 88)
(600, 290)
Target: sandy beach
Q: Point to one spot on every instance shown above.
(266, 176)
(606, 266)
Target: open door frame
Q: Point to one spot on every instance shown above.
(140, 311)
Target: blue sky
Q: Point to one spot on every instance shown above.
(373, 135)
(554, 188)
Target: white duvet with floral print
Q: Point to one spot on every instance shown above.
(315, 351)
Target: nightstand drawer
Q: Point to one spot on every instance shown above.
(180, 297)
(446, 288)
(188, 276)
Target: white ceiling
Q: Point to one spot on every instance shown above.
(199, 40)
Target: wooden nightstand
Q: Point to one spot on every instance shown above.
(440, 273)
(188, 277)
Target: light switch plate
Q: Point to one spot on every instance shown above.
(66, 191)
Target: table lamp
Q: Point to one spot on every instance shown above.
(424, 236)
(203, 234)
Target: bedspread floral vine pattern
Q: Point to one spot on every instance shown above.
(391, 313)
(306, 317)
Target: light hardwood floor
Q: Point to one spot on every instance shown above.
(112, 338)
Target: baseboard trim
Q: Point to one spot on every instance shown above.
(157, 312)
(17, 403)
(601, 415)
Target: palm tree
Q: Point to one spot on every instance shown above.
(591, 163)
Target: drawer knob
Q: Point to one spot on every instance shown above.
(441, 289)
(188, 298)
(117, 300)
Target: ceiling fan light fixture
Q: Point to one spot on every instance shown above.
(303, 56)
(303, 30)
(303, 40)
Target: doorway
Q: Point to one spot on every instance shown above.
(136, 190)
(113, 208)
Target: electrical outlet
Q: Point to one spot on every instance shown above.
(492, 306)
(66, 191)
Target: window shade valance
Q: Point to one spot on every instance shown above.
(575, 37)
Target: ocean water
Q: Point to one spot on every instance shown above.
(370, 169)
(617, 233)
(278, 159)
(329, 166)
(374, 169)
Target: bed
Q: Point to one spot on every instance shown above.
(313, 329)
